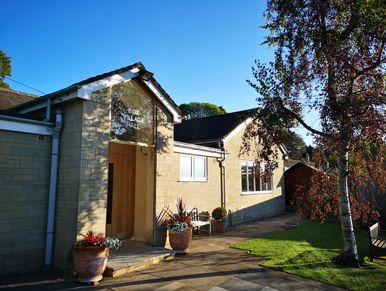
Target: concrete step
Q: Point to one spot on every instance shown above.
(133, 257)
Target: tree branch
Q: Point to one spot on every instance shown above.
(376, 63)
(302, 122)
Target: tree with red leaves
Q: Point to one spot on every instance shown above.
(330, 58)
(318, 199)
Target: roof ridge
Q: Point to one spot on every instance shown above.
(211, 128)
(19, 92)
(224, 114)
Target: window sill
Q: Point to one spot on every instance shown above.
(257, 192)
(193, 180)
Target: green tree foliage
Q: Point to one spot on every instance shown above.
(200, 109)
(295, 146)
(330, 56)
(5, 69)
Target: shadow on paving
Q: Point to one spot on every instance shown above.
(35, 281)
(180, 277)
(40, 281)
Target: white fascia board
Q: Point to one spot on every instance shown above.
(241, 126)
(24, 126)
(164, 101)
(197, 150)
(86, 91)
(56, 100)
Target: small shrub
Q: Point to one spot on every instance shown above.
(219, 213)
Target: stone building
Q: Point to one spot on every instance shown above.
(109, 154)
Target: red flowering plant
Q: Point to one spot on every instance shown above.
(178, 222)
(93, 239)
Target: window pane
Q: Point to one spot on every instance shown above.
(266, 183)
(244, 187)
(200, 168)
(257, 179)
(110, 180)
(186, 167)
(264, 186)
(251, 178)
(269, 184)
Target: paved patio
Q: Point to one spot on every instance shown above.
(134, 256)
(211, 265)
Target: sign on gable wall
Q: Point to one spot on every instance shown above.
(132, 113)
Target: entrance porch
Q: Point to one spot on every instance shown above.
(129, 213)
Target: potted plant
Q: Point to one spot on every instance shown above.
(90, 256)
(179, 227)
(219, 215)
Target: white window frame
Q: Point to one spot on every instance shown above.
(193, 178)
(187, 178)
(252, 163)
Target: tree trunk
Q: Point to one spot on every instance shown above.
(350, 252)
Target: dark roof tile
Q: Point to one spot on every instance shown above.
(10, 98)
(209, 128)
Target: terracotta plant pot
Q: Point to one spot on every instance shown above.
(219, 225)
(89, 263)
(180, 241)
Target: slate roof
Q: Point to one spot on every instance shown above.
(209, 128)
(10, 98)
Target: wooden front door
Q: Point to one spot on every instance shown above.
(121, 190)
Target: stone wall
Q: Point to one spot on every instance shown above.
(247, 207)
(24, 184)
(82, 195)
(95, 138)
(205, 195)
(83, 166)
(68, 182)
(164, 149)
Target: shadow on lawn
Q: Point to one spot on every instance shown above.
(325, 236)
(293, 263)
(321, 241)
(316, 245)
(367, 272)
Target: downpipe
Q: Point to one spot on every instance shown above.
(222, 174)
(154, 215)
(53, 188)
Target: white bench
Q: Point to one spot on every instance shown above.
(200, 219)
(375, 239)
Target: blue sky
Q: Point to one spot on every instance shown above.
(198, 50)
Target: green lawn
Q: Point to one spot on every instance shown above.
(307, 251)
